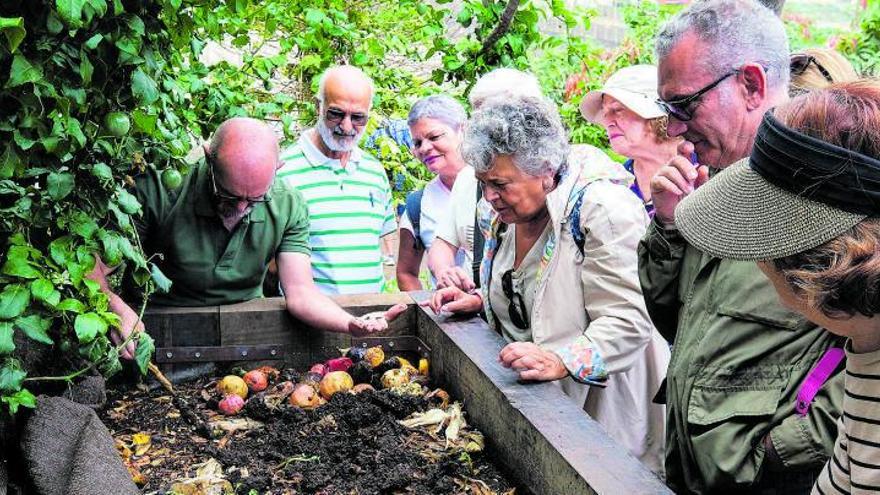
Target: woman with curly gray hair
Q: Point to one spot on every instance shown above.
(559, 277)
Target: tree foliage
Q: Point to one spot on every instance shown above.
(93, 92)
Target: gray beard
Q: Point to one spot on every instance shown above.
(333, 142)
(231, 219)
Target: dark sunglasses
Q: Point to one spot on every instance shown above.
(800, 62)
(680, 108)
(224, 195)
(520, 318)
(336, 116)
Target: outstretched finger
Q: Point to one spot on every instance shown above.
(395, 311)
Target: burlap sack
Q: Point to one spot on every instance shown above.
(68, 451)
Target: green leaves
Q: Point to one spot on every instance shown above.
(22, 72)
(6, 343)
(43, 290)
(72, 305)
(88, 326)
(11, 376)
(128, 203)
(59, 185)
(162, 282)
(22, 398)
(70, 11)
(144, 351)
(13, 301)
(86, 69)
(11, 380)
(143, 87)
(144, 122)
(14, 31)
(18, 264)
(35, 327)
(93, 42)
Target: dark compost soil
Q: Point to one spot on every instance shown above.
(351, 445)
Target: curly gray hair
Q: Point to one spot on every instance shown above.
(527, 128)
(735, 32)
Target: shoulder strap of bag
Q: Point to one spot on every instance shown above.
(414, 211)
(820, 373)
(479, 241)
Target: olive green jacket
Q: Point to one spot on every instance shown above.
(738, 360)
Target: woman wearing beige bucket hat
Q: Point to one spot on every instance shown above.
(626, 107)
(806, 206)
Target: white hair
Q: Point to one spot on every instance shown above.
(352, 72)
(735, 32)
(438, 107)
(503, 83)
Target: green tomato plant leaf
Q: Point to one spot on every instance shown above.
(144, 351)
(7, 345)
(88, 326)
(14, 31)
(35, 327)
(14, 300)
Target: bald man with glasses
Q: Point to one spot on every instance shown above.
(213, 237)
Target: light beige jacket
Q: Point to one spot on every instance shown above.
(589, 308)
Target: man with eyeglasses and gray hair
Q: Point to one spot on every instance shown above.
(741, 362)
(346, 189)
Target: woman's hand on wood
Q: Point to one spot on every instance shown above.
(532, 362)
(454, 300)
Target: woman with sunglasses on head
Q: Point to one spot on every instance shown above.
(816, 68)
(436, 124)
(806, 207)
(559, 277)
(626, 107)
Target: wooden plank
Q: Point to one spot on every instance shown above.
(179, 326)
(266, 321)
(550, 444)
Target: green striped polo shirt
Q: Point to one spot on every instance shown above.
(349, 210)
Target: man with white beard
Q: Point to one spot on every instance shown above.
(346, 189)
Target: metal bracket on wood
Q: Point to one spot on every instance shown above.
(399, 343)
(218, 353)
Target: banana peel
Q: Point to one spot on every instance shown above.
(428, 418)
(453, 425)
(209, 480)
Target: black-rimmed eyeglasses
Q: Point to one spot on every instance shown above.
(336, 116)
(800, 62)
(519, 317)
(223, 195)
(680, 108)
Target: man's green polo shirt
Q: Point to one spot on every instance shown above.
(207, 264)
